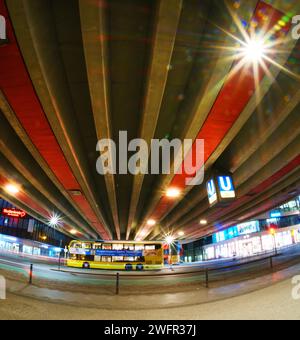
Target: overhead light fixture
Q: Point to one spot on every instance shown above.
(11, 189)
(151, 223)
(173, 193)
(180, 233)
(203, 222)
(75, 192)
(73, 232)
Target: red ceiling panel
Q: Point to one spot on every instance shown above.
(18, 89)
(231, 101)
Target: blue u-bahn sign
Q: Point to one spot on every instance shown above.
(212, 192)
(220, 189)
(226, 187)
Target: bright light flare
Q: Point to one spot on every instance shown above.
(11, 189)
(151, 223)
(173, 193)
(255, 50)
(169, 239)
(55, 220)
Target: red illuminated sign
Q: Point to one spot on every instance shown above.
(13, 213)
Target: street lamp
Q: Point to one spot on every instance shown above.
(12, 189)
(169, 240)
(173, 193)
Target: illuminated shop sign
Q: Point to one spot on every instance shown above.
(275, 214)
(220, 189)
(248, 228)
(238, 230)
(13, 213)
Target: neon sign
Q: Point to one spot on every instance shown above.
(13, 213)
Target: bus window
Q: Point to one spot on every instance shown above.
(129, 259)
(98, 246)
(129, 246)
(106, 259)
(86, 245)
(86, 257)
(118, 246)
(139, 247)
(106, 246)
(117, 259)
(150, 247)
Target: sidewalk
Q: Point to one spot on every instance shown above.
(154, 301)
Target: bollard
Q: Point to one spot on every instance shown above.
(30, 274)
(206, 278)
(271, 262)
(59, 259)
(118, 284)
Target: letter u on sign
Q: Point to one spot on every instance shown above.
(211, 191)
(226, 187)
(211, 188)
(2, 288)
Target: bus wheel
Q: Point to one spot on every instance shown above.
(128, 267)
(139, 267)
(86, 265)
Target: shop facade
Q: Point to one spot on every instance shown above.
(253, 244)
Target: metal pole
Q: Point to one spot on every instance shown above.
(30, 274)
(59, 258)
(118, 284)
(275, 245)
(206, 278)
(59, 261)
(271, 262)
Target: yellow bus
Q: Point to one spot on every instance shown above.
(117, 255)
